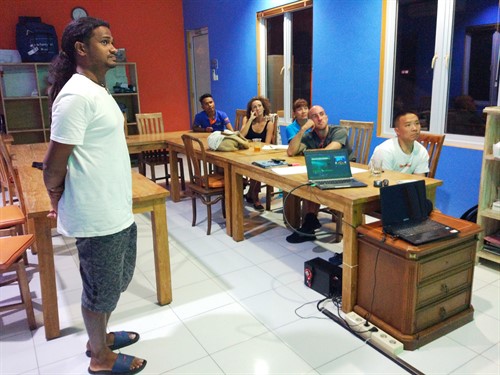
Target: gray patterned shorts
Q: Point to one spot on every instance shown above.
(107, 265)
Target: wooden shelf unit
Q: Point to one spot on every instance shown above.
(23, 93)
(488, 219)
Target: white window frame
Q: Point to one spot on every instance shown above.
(441, 65)
(287, 57)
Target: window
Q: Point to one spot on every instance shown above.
(285, 55)
(441, 61)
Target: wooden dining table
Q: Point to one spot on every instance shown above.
(173, 142)
(147, 197)
(353, 203)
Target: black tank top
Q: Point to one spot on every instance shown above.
(251, 134)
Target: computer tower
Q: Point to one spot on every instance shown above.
(323, 277)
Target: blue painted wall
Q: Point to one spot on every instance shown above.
(346, 63)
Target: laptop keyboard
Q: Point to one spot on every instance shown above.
(334, 182)
(412, 229)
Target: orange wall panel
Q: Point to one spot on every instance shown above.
(151, 31)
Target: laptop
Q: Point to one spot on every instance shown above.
(330, 169)
(405, 211)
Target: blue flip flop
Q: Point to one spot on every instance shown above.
(121, 366)
(122, 339)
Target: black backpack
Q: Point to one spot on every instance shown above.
(36, 41)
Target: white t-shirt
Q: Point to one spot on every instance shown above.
(394, 159)
(97, 198)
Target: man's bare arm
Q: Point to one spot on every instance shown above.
(55, 166)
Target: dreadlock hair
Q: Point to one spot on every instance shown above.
(63, 66)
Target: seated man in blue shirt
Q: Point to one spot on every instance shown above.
(210, 119)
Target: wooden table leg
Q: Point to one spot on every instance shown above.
(237, 206)
(228, 199)
(161, 252)
(42, 228)
(175, 190)
(352, 218)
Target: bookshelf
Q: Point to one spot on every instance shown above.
(23, 92)
(488, 218)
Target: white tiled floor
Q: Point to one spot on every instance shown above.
(238, 308)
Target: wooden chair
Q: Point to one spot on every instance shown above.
(433, 143)
(13, 212)
(360, 135)
(6, 182)
(152, 123)
(238, 121)
(202, 183)
(11, 259)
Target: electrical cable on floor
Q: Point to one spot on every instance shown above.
(285, 195)
(344, 324)
(306, 304)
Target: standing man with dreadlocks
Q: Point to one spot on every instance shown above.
(87, 174)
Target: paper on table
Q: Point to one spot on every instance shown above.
(290, 170)
(355, 170)
(275, 147)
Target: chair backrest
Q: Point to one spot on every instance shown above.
(359, 134)
(150, 123)
(433, 143)
(238, 122)
(275, 118)
(11, 174)
(198, 167)
(6, 182)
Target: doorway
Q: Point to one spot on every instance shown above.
(199, 67)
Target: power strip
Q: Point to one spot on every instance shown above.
(379, 338)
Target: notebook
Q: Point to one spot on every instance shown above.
(270, 163)
(405, 214)
(330, 169)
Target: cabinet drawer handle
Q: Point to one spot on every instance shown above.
(444, 288)
(442, 313)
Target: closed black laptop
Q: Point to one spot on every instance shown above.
(330, 169)
(405, 214)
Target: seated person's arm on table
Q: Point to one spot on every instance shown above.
(422, 169)
(295, 146)
(339, 139)
(198, 128)
(228, 125)
(334, 145)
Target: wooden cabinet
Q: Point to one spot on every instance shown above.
(487, 218)
(23, 92)
(416, 294)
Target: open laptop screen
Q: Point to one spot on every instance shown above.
(402, 203)
(327, 164)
